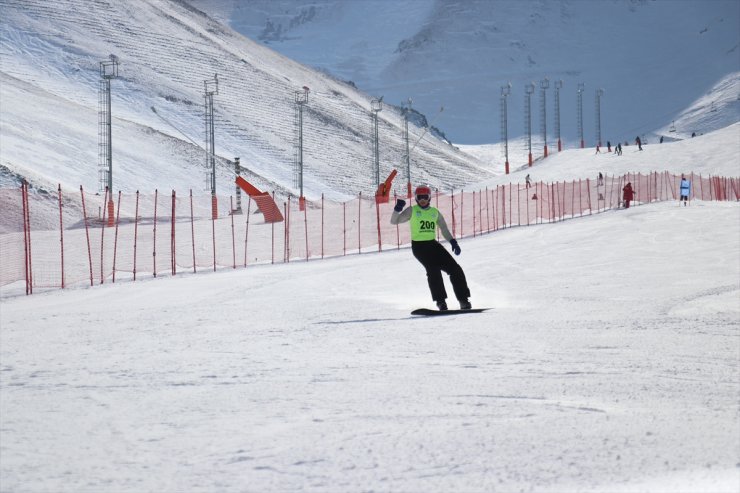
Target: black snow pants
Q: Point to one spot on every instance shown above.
(436, 259)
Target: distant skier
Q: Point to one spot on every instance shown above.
(685, 190)
(627, 195)
(638, 141)
(608, 146)
(528, 181)
(428, 251)
(618, 149)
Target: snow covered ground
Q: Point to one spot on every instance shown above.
(610, 360)
(608, 363)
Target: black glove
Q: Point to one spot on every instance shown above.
(455, 246)
(399, 205)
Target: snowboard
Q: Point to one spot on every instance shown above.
(426, 312)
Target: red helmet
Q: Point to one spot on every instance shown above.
(423, 190)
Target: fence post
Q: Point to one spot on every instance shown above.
(154, 235)
(494, 194)
(106, 210)
(377, 215)
(272, 246)
(322, 225)
(192, 230)
(61, 231)
(359, 223)
(233, 233)
(573, 198)
(246, 232)
(480, 212)
(462, 215)
(305, 226)
(398, 230)
(488, 215)
(27, 237)
(173, 245)
(286, 230)
(503, 206)
(87, 234)
(115, 236)
(474, 213)
(510, 222)
(136, 230)
(452, 213)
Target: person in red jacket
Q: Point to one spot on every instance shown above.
(628, 195)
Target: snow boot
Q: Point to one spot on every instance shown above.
(442, 305)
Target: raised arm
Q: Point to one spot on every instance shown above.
(401, 217)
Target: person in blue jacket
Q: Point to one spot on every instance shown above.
(425, 221)
(685, 190)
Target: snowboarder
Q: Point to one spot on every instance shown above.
(528, 180)
(685, 190)
(425, 220)
(628, 195)
(638, 141)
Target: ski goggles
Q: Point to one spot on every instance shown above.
(422, 197)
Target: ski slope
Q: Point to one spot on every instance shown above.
(608, 363)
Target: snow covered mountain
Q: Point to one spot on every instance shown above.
(167, 50)
(49, 83)
(651, 58)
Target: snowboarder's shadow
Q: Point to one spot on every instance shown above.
(363, 320)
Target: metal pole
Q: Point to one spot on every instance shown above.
(581, 88)
(238, 171)
(529, 89)
(544, 85)
(599, 93)
(301, 98)
(109, 136)
(376, 106)
(408, 153)
(558, 86)
(505, 91)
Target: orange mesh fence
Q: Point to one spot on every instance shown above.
(68, 239)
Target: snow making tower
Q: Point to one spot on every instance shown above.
(376, 106)
(108, 72)
(579, 112)
(211, 89)
(300, 99)
(505, 91)
(528, 91)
